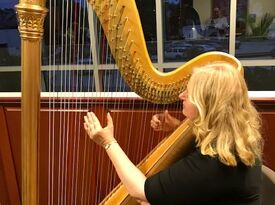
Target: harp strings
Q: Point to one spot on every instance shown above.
(87, 160)
(108, 78)
(78, 104)
(51, 114)
(62, 188)
(75, 164)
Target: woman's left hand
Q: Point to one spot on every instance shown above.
(101, 135)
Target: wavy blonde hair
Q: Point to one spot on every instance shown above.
(228, 125)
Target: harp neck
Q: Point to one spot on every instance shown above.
(121, 24)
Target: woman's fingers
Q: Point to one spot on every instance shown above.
(109, 120)
(154, 124)
(86, 126)
(87, 123)
(95, 131)
(167, 116)
(93, 119)
(91, 124)
(155, 118)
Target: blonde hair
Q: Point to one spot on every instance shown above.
(228, 125)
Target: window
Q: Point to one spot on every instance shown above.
(10, 46)
(66, 38)
(112, 81)
(67, 47)
(195, 26)
(9, 35)
(260, 78)
(255, 29)
(69, 81)
(147, 12)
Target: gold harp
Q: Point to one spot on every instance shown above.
(122, 27)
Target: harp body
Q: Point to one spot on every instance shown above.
(122, 27)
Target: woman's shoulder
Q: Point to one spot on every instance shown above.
(212, 162)
(198, 162)
(197, 155)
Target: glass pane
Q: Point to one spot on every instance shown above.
(193, 27)
(260, 78)
(105, 55)
(9, 35)
(10, 81)
(67, 37)
(147, 12)
(255, 29)
(111, 81)
(167, 70)
(69, 81)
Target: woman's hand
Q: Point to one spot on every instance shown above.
(96, 132)
(129, 174)
(164, 122)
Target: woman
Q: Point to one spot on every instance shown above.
(225, 167)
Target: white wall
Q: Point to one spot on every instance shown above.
(261, 7)
(204, 8)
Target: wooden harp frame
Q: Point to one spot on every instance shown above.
(31, 15)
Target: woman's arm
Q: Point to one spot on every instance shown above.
(132, 178)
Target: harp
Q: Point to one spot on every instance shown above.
(122, 27)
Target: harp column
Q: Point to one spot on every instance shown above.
(31, 15)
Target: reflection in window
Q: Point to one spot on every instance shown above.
(10, 81)
(260, 78)
(9, 35)
(66, 38)
(193, 27)
(105, 55)
(167, 70)
(255, 27)
(147, 12)
(111, 81)
(69, 81)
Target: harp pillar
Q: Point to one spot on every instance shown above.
(31, 14)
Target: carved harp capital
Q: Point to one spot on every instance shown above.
(31, 20)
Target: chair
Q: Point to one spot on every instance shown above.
(268, 186)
